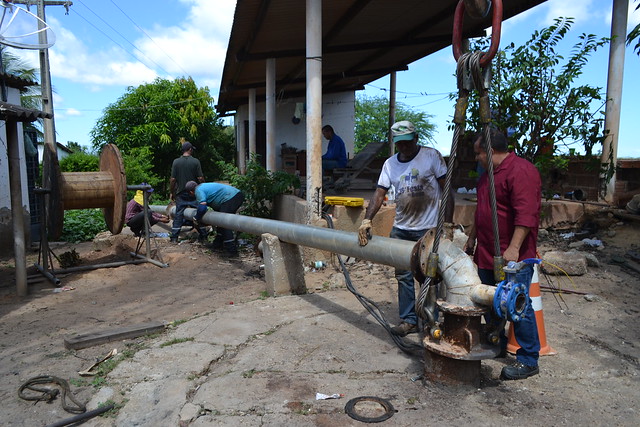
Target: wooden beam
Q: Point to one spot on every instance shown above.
(90, 339)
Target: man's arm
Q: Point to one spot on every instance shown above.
(513, 251)
(451, 201)
(376, 201)
(172, 188)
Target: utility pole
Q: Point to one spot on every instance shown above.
(45, 72)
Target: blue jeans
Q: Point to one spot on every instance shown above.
(406, 286)
(526, 330)
(183, 201)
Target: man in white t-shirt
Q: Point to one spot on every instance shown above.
(417, 174)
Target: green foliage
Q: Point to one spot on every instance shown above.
(534, 95)
(77, 148)
(372, 121)
(157, 115)
(635, 35)
(260, 186)
(80, 162)
(138, 168)
(82, 225)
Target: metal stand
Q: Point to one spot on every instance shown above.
(46, 253)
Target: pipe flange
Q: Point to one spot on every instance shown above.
(350, 409)
(445, 348)
(420, 255)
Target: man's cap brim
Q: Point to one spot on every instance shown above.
(407, 137)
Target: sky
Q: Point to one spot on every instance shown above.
(104, 46)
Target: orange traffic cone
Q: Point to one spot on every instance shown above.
(536, 301)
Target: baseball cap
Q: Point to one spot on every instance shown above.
(187, 146)
(403, 131)
(190, 186)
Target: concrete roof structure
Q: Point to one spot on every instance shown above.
(362, 40)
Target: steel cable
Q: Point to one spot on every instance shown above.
(372, 307)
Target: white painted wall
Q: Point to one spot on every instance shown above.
(338, 110)
(13, 97)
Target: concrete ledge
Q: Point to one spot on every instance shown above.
(554, 213)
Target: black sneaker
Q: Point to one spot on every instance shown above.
(404, 328)
(173, 240)
(518, 371)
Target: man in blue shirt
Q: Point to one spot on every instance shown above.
(222, 198)
(336, 155)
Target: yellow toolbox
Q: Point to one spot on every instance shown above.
(344, 201)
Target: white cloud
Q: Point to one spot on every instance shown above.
(71, 59)
(196, 46)
(73, 112)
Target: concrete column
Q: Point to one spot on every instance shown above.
(241, 137)
(45, 81)
(17, 211)
(314, 109)
(252, 122)
(270, 101)
(283, 267)
(614, 92)
(392, 109)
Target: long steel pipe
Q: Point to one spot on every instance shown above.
(381, 250)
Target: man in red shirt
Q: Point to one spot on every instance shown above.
(518, 199)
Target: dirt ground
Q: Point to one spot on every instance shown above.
(594, 379)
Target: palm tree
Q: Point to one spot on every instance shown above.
(30, 96)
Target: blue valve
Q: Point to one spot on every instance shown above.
(511, 299)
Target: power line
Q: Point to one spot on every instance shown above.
(142, 107)
(150, 38)
(409, 93)
(125, 39)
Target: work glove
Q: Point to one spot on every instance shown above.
(364, 232)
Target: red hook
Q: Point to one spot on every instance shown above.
(496, 27)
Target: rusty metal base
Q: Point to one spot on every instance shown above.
(444, 370)
(455, 359)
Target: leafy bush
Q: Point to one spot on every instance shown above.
(82, 225)
(260, 186)
(80, 162)
(138, 168)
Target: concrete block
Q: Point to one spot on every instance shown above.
(558, 262)
(283, 267)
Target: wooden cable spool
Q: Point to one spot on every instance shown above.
(106, 189)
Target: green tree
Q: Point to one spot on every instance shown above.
(157, 115)
(534, 96)
(259, 186)
(635, 35)
(372, 120)
(80, 162)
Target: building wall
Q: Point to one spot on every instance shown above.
(6, 222)
(338, 110)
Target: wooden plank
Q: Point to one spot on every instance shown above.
(90, 339)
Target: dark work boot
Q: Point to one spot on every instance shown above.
(518, 371)
(404, 328)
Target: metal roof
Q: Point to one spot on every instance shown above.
(21, 114)
(363, 40)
